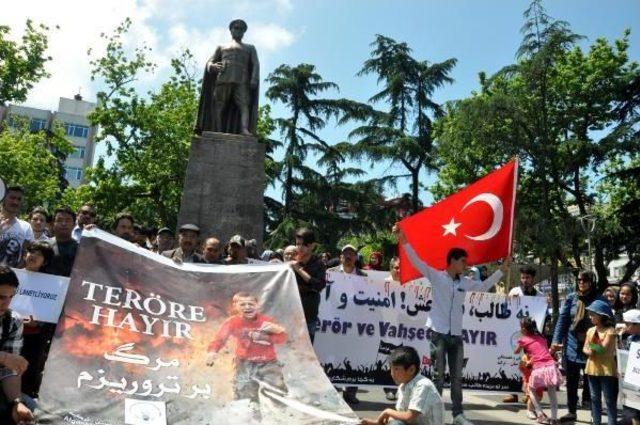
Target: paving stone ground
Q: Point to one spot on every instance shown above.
(481, 408)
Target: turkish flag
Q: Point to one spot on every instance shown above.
(478, 219)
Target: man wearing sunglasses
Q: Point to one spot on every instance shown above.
(85, 219)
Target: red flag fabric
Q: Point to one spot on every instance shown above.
(479, 219)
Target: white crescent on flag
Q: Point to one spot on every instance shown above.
(498, 213)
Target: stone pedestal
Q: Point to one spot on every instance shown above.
(224, 186)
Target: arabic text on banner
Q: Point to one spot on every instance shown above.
(363, 318)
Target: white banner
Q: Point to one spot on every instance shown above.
(40, 295)
(363, 318)
(629, 388)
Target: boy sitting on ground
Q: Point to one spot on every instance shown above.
(418, 400)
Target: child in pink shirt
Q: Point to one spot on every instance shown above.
(545, 373)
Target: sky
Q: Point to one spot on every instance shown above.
(334, 35)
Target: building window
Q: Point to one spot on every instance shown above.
(78, 152)
(76, 130)
(73, 173)
(38, 124)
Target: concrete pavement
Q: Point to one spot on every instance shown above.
(480, 407)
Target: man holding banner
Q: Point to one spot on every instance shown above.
(461, 230)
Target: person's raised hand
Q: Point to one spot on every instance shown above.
(506, 263)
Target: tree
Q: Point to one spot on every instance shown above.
(148, 135)
(27, 158)
(318, 195)
(403, 134)
(553, 109)
(22, 64)
(296, 87)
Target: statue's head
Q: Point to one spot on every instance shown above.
(237, 27)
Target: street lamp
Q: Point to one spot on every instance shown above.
(588, 224)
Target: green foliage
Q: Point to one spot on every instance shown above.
(323, 200)
(403, 134)
(22, 64)
(147, 134)
(27, 159)
(368, 243)
(558, 109)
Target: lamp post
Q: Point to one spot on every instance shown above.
(588, 224)
(3, 189)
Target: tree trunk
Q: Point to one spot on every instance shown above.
(575, 250)
(632, 266)
(555, 296)
(601, 270)
(415, 199)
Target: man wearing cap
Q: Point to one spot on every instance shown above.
(348, 258)
(237, 252)
(188, 241)
(165, 240)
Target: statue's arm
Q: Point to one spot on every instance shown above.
(215, 63)
(255, 68)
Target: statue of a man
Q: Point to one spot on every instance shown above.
(229, 96)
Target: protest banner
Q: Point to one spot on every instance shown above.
(629, 388)
(143, 340)
(363, 318)
(40, 295)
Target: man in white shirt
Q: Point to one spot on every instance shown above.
(526, 287)
(85, 219)
(348, 259)
(13, 231)
(448, 289)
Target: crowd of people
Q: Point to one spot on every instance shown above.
(589, 328)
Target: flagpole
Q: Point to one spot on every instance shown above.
(513, 215)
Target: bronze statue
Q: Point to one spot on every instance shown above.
(230, 87)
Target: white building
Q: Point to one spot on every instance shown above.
(72, 114)
(617, 268)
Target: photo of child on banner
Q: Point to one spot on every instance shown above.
(255, 356)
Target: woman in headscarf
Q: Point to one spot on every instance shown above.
(611, 294)
(375, 261)
(570, 334)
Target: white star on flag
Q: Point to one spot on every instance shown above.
(450, 229)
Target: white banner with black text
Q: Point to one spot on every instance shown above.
(363, 318)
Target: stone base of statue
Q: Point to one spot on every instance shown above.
(224, 186)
